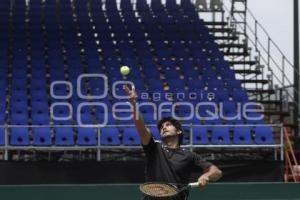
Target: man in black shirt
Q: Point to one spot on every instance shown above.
(167, 161)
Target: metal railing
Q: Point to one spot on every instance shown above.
(271, 60)
(277, 146)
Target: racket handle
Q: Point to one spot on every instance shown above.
(195, 184)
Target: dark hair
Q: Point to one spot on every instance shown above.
(175, 123)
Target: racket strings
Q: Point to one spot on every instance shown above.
(159, 190)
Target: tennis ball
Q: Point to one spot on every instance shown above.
(124, 70)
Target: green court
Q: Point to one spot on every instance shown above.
(224, 191)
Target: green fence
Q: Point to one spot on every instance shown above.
(218, 191)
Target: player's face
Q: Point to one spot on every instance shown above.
(167, 130)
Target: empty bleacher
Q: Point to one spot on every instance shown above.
(167, 47)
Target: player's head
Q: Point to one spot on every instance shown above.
(170, 127)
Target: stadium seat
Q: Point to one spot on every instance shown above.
(220, 136)
(2, 136)
(222, 95)
(185, 135)
(19, 118)
(155, 133)
(200, 135)
(228, 107)
(239, 95)
(242, 135)
(263, 135)
(109, 136)
(149, 118)
(87, 136)
(254, 119)
(130, 136)
(19, 136)
(40, 119)
(64, 136)
(41, 136)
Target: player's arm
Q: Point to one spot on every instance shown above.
(212, 173)
(144, 133)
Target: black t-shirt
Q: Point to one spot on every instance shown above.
(171, 165)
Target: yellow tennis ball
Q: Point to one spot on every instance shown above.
(124, 70)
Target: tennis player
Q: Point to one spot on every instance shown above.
(167, 161)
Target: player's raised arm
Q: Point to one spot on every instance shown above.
(145, 136)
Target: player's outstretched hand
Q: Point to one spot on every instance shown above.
(132, 96)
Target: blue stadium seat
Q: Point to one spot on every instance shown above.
(149, 118)
(193, 120)
(154, 84)
(214, 84)
(124, 117)
(100, 118)
(84, 119)
(109, 136)
(240, 95)
(220, 136)
(232, 85)
(171, 74)
(227, 74)
(2, 117)
(64, 136)
(130, 136)
(19, 118)
(242, 135)
(263, 135)
(176, 85)
(254, 118)
(185, 133)
(41, 136)
(17, 106)
(2, 136)
(19, 93)
(40, 106)
(87, 136)
(39, 95)
(222, 95)
(155, 133)
(190, 74)
(19, 136)
(200, 135)
(228, 107)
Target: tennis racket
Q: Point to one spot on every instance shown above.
(163, 190)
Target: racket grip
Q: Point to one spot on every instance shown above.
(195, 184)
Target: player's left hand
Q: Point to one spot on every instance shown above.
(203, 180)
